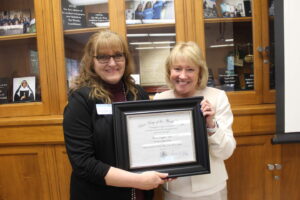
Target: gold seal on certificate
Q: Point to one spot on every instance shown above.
(163, 135)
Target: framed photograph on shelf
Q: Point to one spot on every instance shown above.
(24, 89)
(15, 22)
(151, 11)
(210, 9)
(233, 8)
(162, 135)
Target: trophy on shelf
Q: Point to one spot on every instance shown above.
(249, 57)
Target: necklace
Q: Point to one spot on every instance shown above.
(124, 93)
(133, 195)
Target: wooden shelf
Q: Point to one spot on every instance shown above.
(149, 26)
(225, 20)
(155, 89)
(18, 36)
(83, 30)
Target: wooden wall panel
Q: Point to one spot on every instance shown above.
(42, 134)
(259, 124)
(63, 171)
(290, 179)
(23, 174)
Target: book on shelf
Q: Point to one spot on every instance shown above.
(15, 22)
(72, 70)
(34, 62)
(24, 89)
(4, 90)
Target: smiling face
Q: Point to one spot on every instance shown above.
(112, 71)
(24, 83)
(184, 77)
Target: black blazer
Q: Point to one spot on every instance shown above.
(89, 140)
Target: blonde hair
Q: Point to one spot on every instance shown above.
(98, 43)
(191, 52)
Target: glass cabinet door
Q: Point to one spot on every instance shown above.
(232, 32)
(151, 34)
(267, 51)
(80, 20)
(22, 79)
(76, 21)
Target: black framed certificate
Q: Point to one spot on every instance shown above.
(163, 135)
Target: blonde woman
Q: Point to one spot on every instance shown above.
(187, 74)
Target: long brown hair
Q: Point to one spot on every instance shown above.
(98, 43)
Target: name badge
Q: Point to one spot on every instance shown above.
(104, 109)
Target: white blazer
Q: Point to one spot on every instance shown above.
(221, 146)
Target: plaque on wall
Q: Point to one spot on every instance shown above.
(210, 81)
(97, 19)
(3, 90)
(249, 81)
(73, 16)
(228, 80)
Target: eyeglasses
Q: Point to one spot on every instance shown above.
(104, 59)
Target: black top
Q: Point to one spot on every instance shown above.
(89, 140)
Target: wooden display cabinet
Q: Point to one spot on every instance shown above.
(243, 41)
(32, 151)
(24, 55)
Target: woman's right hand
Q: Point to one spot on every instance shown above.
(151, 179)
(145, 181)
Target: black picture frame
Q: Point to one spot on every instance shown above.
(125, 112)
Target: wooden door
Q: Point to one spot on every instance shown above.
(23, 173)
(251, 169)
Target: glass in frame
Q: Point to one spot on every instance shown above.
(270, 50)
(74, 46)
(229, 55)
(150, 48)
(19, 66)
(81, 18)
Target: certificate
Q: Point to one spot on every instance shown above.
(167, 139)
(161, 135)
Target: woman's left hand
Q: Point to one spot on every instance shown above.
(208, 112)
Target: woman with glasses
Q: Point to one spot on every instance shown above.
(88, 123)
